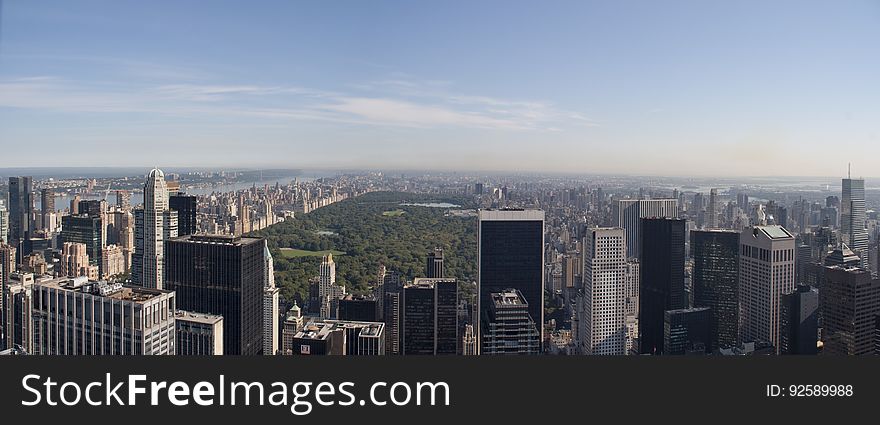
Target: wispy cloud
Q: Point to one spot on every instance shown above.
(397, 102)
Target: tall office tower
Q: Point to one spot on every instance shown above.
(766, 272)
(7, 267)
(75, 261)
(4, 223)
(293, 323)
(47, 206)
(20, 209)
(271, 294)
(154, 224)
(74, 205)
(686, 331)
(186, 207)
(570, 271)
(511, 256)
(112, 261)
(358, 308)
(631, 312)
(478, 188)
(799, 327)
(508, 328)
(430, 317)
(86, 230)
(631, 211)
(604, 292)
(123, 199)
(661, 278)
(742, 201)
(222, 275)
(716, 283)
(850, 300)
(341, 338)
(468, 341)
(327, 279)
(852, 218)
(141, 320)
(16, 313)
(392, 318)
(712, 211)
(434, 266)
(198, 334)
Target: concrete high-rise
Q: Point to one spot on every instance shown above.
(715, 282)
(766, 272)
(100, 318)
(511, 256)
(605, 270)
(853, 218)
(631, 211)
(661, 278)
(198, 334)
(47, 206)
(21, 212)
(154, 224)
(712, 211)
(271, 295)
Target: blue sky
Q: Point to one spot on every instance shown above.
(624, 87)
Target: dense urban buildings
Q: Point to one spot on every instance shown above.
(661, 278)
(339, 337)
(686, 331)
(511, 256)
(429, 317)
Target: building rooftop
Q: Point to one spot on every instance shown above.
(206, 318)
(116, 290)
(321, 330)
(774, 232)
(219, 239)
(508, 297)
(428, 282)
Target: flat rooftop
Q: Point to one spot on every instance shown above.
(116, 291)
(508, 298)
(320, 330)
(218, 239)
(205, 318)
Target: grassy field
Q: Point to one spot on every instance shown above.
(294, 253)
(394, 213)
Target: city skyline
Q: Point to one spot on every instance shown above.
(342, 86)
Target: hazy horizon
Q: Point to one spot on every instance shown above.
(671, 89)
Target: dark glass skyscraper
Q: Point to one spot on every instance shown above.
(20, 209)
(850, 301)
(434, 266)
(186, 207)
(220, 275)
(686, 331)
(430, 317)
(87, 230)
(661, 278)
(511, 256)
(715, 282)
(798, 317)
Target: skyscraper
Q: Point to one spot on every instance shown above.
(508, 329)
(686, 331)
(141, 320)
(186, 207)
(20, 210)
(712, 210)
(631, 211)
(87, 230)
(716, 283)
(4, 223)
(154, 224)
(766, 272)
(430, 317)
(271, 295)
(47, 206)
(222, 275)
(661, 278)
(198, 334)
(434, 266)
(511, 256)
(849, 299)
(604, 292)
(799, 321)
(852, 218)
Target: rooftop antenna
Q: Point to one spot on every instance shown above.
(849, 170)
